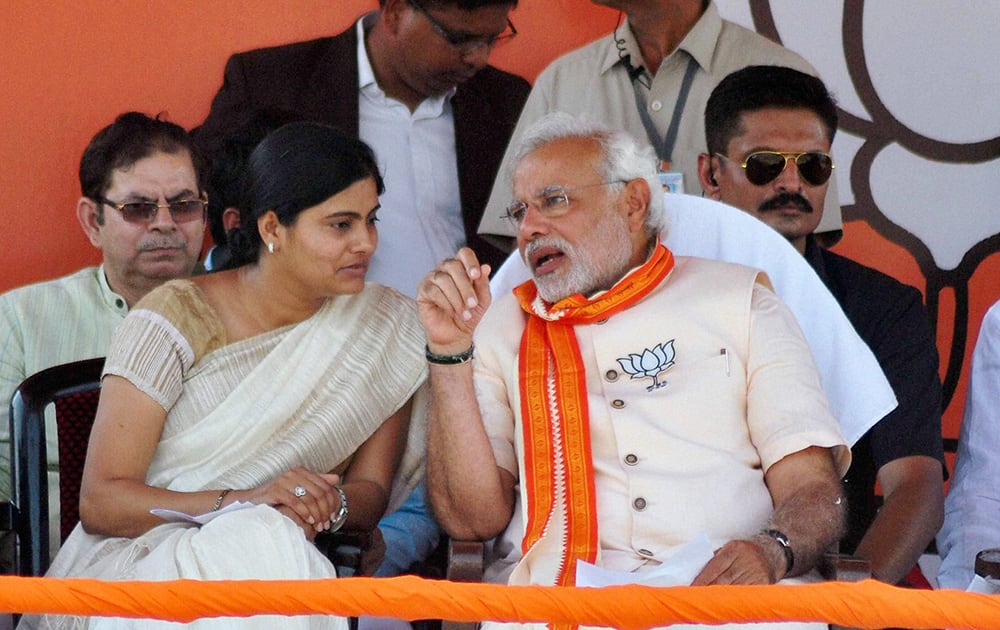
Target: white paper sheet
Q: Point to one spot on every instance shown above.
(680, 570)
(173, 516)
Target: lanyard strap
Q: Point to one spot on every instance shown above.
(665, 148)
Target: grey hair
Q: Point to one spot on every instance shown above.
(622, 157)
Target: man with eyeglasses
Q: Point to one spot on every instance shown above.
(144, 207)
(624, 402)
(650, 76)
(412, 81)
(769, 131)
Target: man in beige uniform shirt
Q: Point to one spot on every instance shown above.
(630, 401)
(143, 206)
(651, 77)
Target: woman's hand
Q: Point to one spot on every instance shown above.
(307, 529)
(311, 496)
(452, 299)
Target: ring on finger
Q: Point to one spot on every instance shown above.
(300, 491)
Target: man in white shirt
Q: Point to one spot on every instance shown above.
(972, 507)
(638, 399)
(412, 81)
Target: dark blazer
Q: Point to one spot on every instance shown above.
(318, 80)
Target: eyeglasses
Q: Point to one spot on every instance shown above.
(551, 201)
(763, 167)
(181, 211)
(465, 43)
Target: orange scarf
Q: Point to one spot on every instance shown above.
(554, 415)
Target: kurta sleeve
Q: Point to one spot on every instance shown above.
(159, 341)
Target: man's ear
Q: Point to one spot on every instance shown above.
(391, 14)
(88, 214)
(230, 218)
(637, 196)
(706, 175)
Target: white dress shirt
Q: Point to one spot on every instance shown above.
(972, 507)
(420, 222)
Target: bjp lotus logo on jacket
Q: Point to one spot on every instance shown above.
(650, 364)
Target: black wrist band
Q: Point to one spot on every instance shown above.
(449, 359)
(786, 547)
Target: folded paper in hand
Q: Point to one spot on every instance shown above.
(173, 516)
(679, 570)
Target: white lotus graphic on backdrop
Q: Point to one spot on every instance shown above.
(918, 149)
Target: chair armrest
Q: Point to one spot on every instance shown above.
(465, 560)
(844, 568)
(6, 516)
(344, 549)
(465, 564)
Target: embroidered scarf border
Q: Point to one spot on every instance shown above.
(555, 418)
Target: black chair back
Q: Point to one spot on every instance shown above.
(74, 389)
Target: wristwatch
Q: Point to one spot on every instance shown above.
(341, 517)
(786, 547)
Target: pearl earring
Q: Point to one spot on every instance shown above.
(270, 248)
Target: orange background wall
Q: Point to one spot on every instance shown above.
(69, 68)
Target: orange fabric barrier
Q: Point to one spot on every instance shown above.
(867, 604)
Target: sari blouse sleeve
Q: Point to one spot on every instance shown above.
(161, 338)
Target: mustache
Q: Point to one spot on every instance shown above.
(785, 199)
(162, 243)
(545, 241)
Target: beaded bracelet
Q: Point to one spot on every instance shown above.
(449, 359)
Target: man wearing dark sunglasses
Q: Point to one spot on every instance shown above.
(413, 81)
(769, 131)
(143, 206)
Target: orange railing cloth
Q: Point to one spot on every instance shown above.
(867, 604)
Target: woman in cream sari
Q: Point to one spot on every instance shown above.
(283, 386)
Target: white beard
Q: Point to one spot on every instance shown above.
(595, 262)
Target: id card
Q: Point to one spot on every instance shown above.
(672, 181)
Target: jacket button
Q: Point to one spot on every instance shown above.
(639, 504)
(611, 375)
(618, 403)
(645, 552)
(631, 459)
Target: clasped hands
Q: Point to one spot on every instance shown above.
(308, 498)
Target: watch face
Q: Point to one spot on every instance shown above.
(988, 564)
(786, 547)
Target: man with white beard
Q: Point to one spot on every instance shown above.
(628, 401)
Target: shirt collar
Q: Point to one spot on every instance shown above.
(366, 76)
(699, 43)
(701, 40)
(114, 301)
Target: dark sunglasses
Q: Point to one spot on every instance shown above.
(763, 167)
(181, 211)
